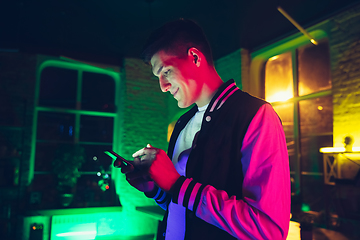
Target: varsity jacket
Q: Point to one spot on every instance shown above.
(218, 204)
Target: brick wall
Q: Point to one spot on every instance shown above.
(144, 108)
(144, 119)
(344, 40)
(17, 83)
(234, 66)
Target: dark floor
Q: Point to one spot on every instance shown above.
(323, 234)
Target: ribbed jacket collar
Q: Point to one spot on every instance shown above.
(221, 96)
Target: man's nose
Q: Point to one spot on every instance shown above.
(164, 84)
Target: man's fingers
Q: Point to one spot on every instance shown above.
(126, 169)
(142, 163)
(141, 152)
(140, 174)
(137, 161)
(144, 151)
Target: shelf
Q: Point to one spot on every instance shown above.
(72, 211)
(340, 165)
(153, 211)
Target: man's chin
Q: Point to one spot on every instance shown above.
(182, 105)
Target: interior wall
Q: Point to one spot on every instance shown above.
(344, 40)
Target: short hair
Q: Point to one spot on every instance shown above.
(177, 38)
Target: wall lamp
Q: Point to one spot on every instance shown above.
(301, 29)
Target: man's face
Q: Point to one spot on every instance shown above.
(176, 75)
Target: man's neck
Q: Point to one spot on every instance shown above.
(210, 87)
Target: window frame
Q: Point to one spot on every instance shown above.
(80, 68)
(256, 85)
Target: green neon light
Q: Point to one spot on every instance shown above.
(74, 111)
(305, 207)
(68, 234)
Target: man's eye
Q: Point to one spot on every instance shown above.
(166, 72)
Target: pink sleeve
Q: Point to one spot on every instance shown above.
(264, 211)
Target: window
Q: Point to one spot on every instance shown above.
(298, 85)
(75, 116)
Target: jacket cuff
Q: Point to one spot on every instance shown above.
(187, 192)
(157, 194)
(152, 193)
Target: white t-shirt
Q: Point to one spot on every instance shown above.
(176, 219)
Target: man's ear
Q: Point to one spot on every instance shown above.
(195, 56)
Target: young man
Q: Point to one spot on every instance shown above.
(226, 172)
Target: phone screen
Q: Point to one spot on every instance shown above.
(119, 161)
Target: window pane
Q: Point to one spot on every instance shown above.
(96, 160)
(314, 68)
(49, 152)
(44, 156)
(58, 88)
(90, 192)
(279, 78)
(286, 114)
(96, 129)
(98, 92)
(316, 122)
(55, 126)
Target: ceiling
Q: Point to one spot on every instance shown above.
(109, 30)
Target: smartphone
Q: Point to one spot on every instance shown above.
(119, 161)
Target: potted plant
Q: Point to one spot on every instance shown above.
(67, 161)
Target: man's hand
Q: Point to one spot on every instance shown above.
(138, 178)
(160, 167)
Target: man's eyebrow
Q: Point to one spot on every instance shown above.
(159, 70)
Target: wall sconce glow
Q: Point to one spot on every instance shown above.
(313, 41)
(281, 96)
(337, 149)
(273, 58)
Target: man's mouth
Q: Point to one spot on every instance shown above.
(174, 93)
